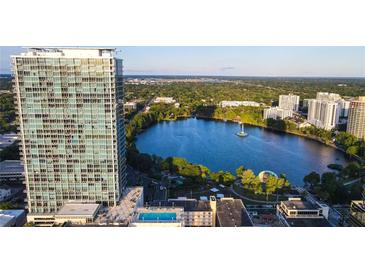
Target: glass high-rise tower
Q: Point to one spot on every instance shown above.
(70, 109)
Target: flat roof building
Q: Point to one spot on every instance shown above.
(232, 213)
(12, 217)
(300, 213)
(164, 100)
(11, 171)
(196, 213)
(224, 104)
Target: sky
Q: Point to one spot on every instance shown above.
(234, 61)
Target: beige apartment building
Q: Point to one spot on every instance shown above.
(356, 118)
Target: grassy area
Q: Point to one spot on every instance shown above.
(260, 197)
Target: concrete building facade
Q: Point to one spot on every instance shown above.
(70, 110)
(356, 118)
(277, 113)
(323, 114)
(289, 101)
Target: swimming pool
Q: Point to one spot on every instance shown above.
(157, 216)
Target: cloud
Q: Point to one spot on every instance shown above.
(227, 68)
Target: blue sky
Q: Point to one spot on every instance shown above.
(235, 61)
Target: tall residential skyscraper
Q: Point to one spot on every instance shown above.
(290, 102)
(323, 114)
(356, 118)
(70, 109)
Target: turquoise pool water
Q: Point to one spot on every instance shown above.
(157, 216)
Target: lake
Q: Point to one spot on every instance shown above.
(215, 145)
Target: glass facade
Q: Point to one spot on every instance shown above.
(72, 128)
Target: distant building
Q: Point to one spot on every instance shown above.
(224, 104)
(276, 113)
(7, 139)
(323, 114)
(11, 171)
(300, 213)
(164, 100)
(232, 213)
(356, 118)
(12, 217)
(130, 106)
(159, 216)
(357, 213)
(290, 102)
(326, 96)
(344, 108)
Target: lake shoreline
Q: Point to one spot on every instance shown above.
(214, 142)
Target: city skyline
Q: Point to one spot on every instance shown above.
(260, 61)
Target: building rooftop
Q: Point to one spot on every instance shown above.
(68, 52)
(8, 217)
(123, 213)
(78, 209)
(298, 204)
(188, 204)
(231, 212)
(11, 166)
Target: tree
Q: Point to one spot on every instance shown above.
(239, 171)
(247, 178)
(352, 150)
(312, 180)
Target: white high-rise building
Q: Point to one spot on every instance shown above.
(275, 113)
(326, 96)
(290, 102)
(323, 114)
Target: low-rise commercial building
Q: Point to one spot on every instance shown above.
(164, 100)
(11, 171)
(75, 213)
(300, 213)
(92, 214)
(232, 213)
(196, 213)
(357, 213)
(224, 104)
(277, 113)
(12, 217)
(130, 106)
